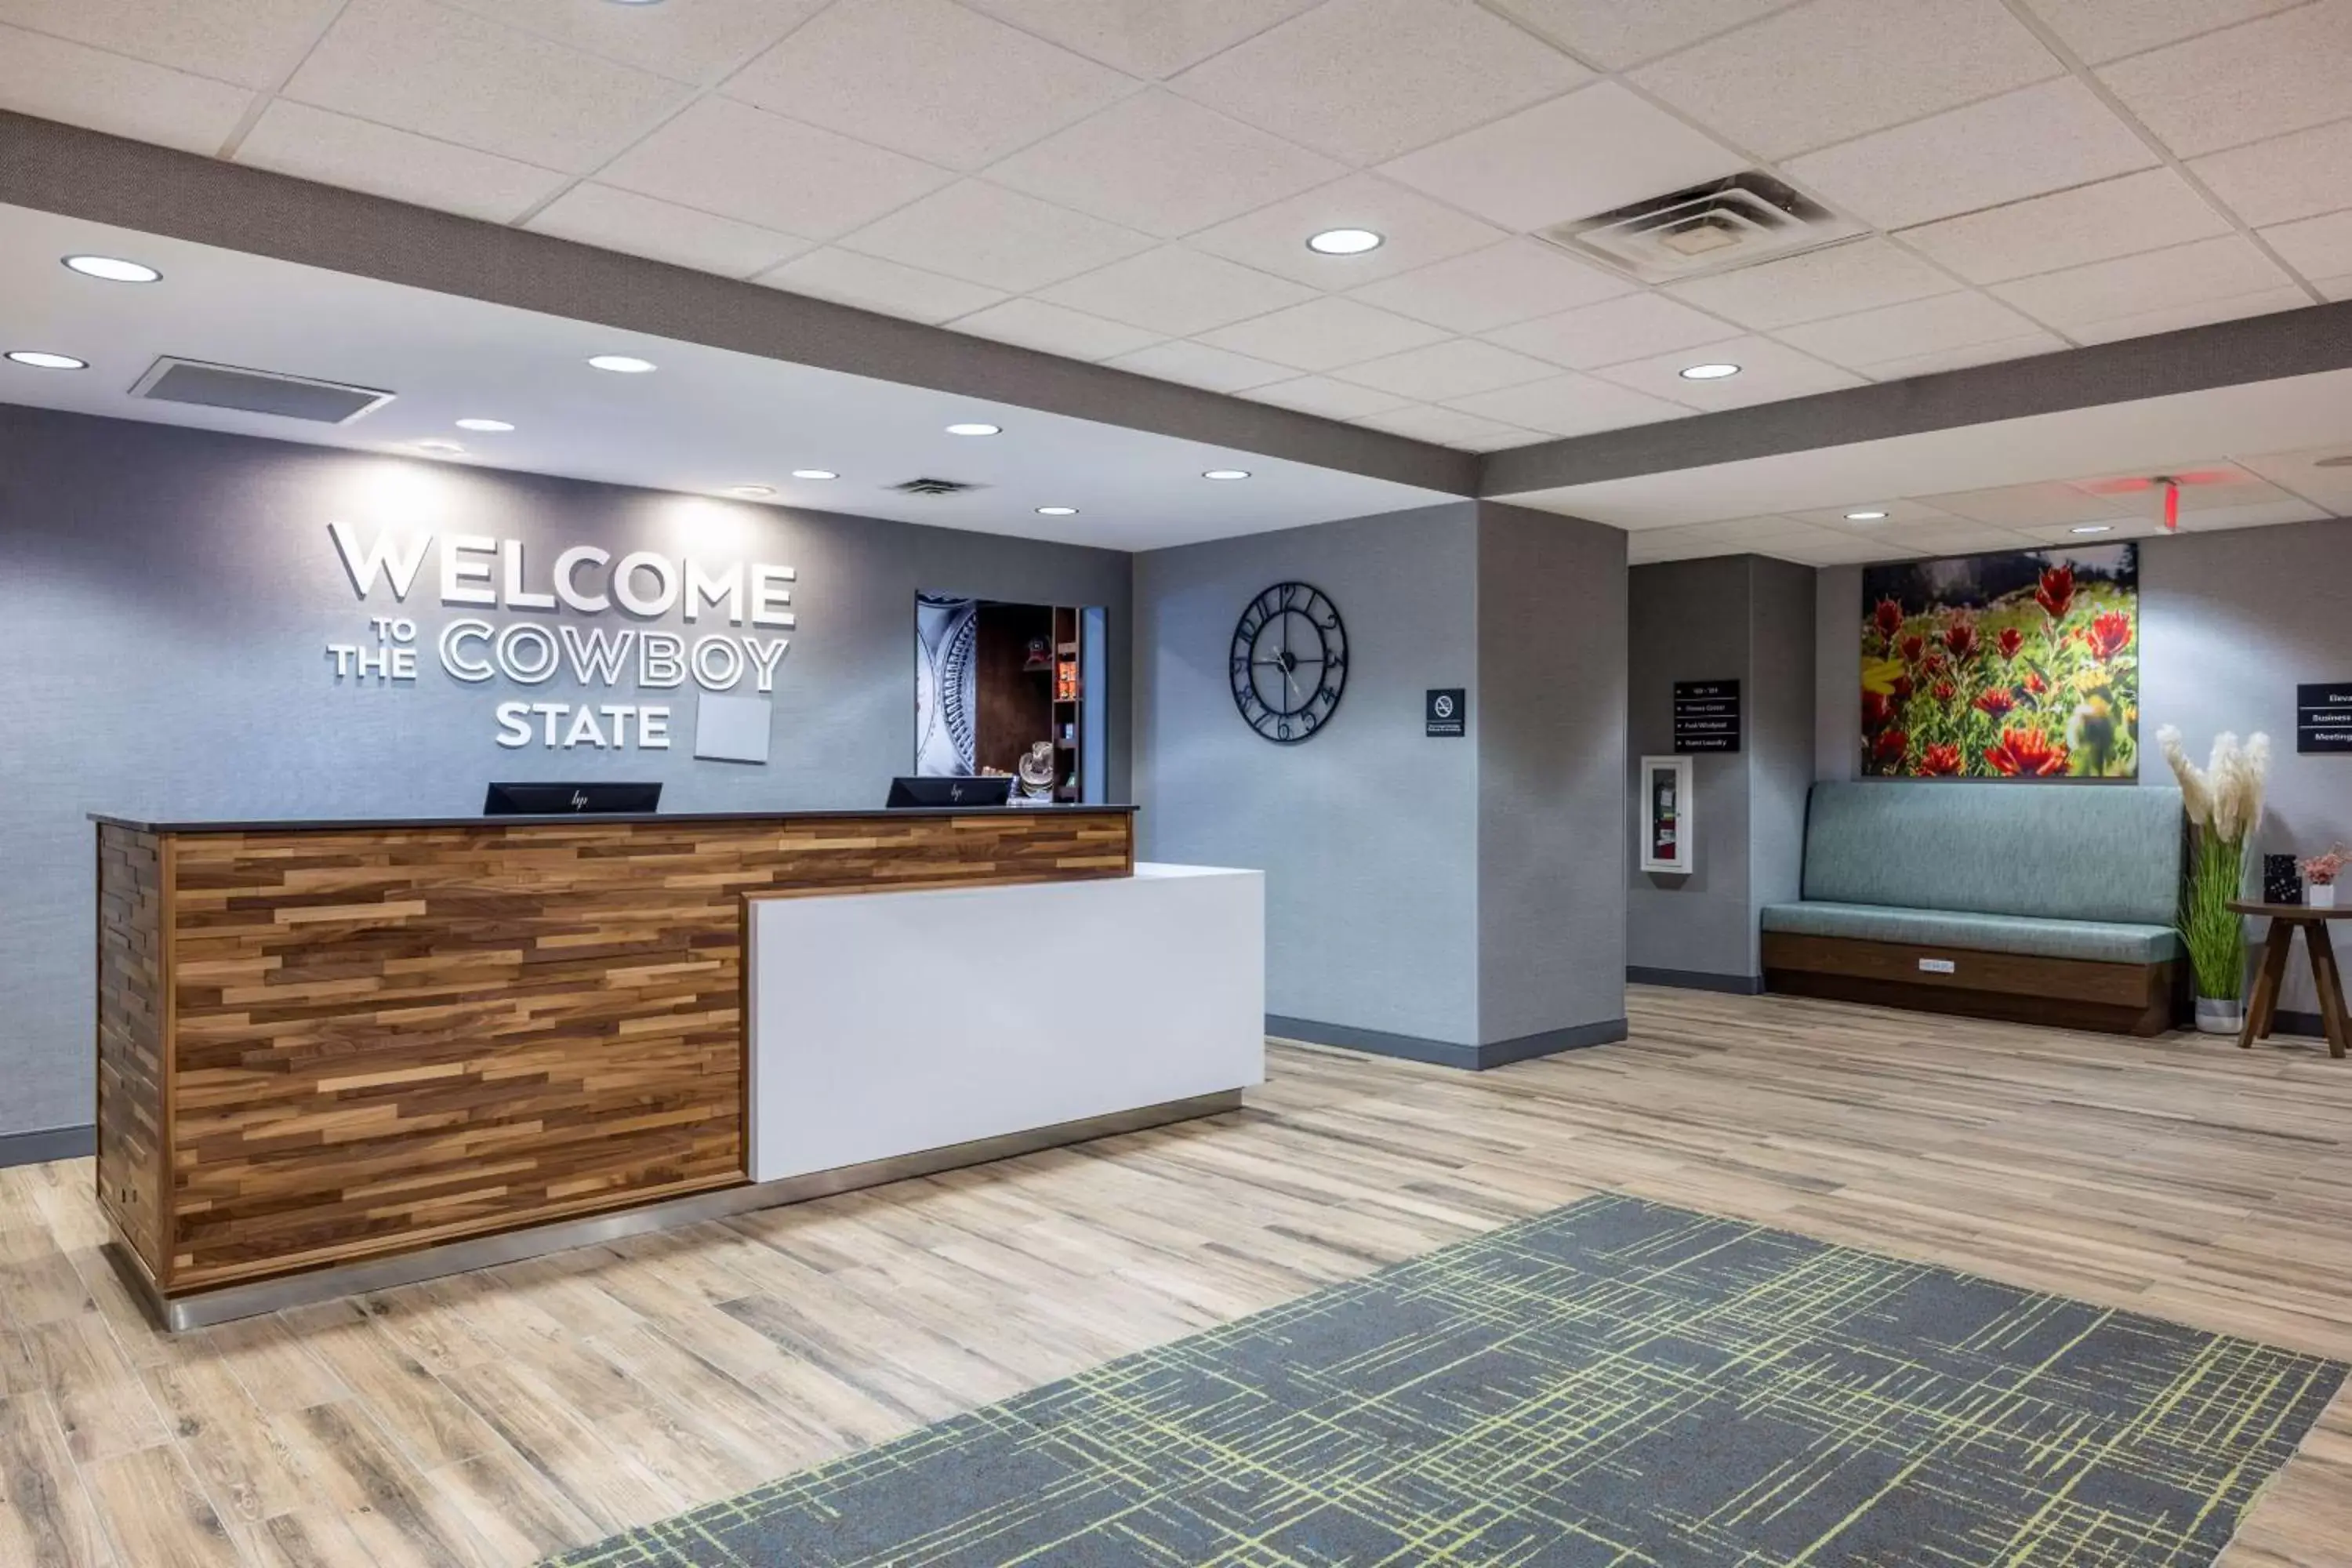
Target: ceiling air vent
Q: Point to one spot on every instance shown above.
(256, 392)
(933, 488)
(1714, 227)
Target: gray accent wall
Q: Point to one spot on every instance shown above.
(2230, 623)
(1738, 618)
(166, 596)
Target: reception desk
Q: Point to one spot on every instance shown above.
(337, 1056)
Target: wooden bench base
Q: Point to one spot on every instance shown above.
(2064, 993)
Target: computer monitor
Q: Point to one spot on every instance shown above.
(950, 792)
(564, 799)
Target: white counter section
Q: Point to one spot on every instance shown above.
(890, 1024)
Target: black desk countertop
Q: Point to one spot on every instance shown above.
(366, 823)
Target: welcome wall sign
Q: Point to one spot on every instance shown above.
(641, 662)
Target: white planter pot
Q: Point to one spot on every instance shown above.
(2316, 897)
(2220, 1015)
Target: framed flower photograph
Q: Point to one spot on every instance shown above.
(2022, 665)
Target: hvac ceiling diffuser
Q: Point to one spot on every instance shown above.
(927, 486)
(1718, 226)
(193, 382)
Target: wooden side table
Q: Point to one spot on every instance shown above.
(2284, 919)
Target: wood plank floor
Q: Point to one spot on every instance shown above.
(490, 1418)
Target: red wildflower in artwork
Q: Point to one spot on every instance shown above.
(2056, 594)
(1945, 690)
(1911, 647)
(1902, 688)
(1941, 760)
(2034, 683)
(1960, 636)
(2026, 753)
(2110, 634)
(1995, 701)
(1890, 746)
(1887, 619)
(1877, 712)
(2009, 641)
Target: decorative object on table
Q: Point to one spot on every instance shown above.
(1037, 772)
(2224, 804)
(1065, 681)
(1667, 844)
(1039, 658)
(2018, 665)
(2286, 920)
(1289, 662)
(2282, 879)
(2319, 873)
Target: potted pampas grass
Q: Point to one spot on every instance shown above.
(2225, 803)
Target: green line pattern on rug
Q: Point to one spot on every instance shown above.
(1617, 1383)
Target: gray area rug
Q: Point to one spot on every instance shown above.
(1614, 1383)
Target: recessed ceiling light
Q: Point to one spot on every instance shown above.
(1865, 517)
(1226, 474)
(814, 474)
(1057, 511)
(438, 446)
(1345, 242)
(488, 426)
(113, 269)
(1710, 372)
(621, 365)
(975, 428)
(2093, 528)
(37, 360)
(751, 492)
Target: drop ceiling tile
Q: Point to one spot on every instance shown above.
(1655, 546)
(1455, 368)
(1953, 538)
(441, 73)
(2263, 78)
(253, 43)
(2169, 280)
(2212, 489)
(2101, 30)
(1922, 327)
(1323, 334)
(1445, 426)
(80, 85)
(2027, 142)
(698, 43)
(2024, 346)
(1165, 165)
(1198, 365)
(2197, 313)
(1590, 152)
(1418, 231)
(1613, 331)
(1769, 372)
(1842, 280)
(2070, 228)
(2285, 178)
(1501, 438)
(731, 159)
(2112, 531)
(336, 150)
(929, 78)
(1570, 405)
(1178, 292)
(2334, 288)
(2316, 247)
(2299, 472)
(2048, 504)
(1832, 69)
(870, 283)
(1615, 33)
(1054, 329)
(1367, 80)
(1331, 399)
(2262, 514)
(640, 226)
(1151, 38)
(985, 234)
(1514, 282)
(1758, 533)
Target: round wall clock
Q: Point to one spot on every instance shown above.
(1289, 662)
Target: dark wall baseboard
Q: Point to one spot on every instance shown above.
(1448, 1053)
(52, 1144)
(1697, 980)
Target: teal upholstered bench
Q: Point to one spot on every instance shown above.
(2049, 904)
